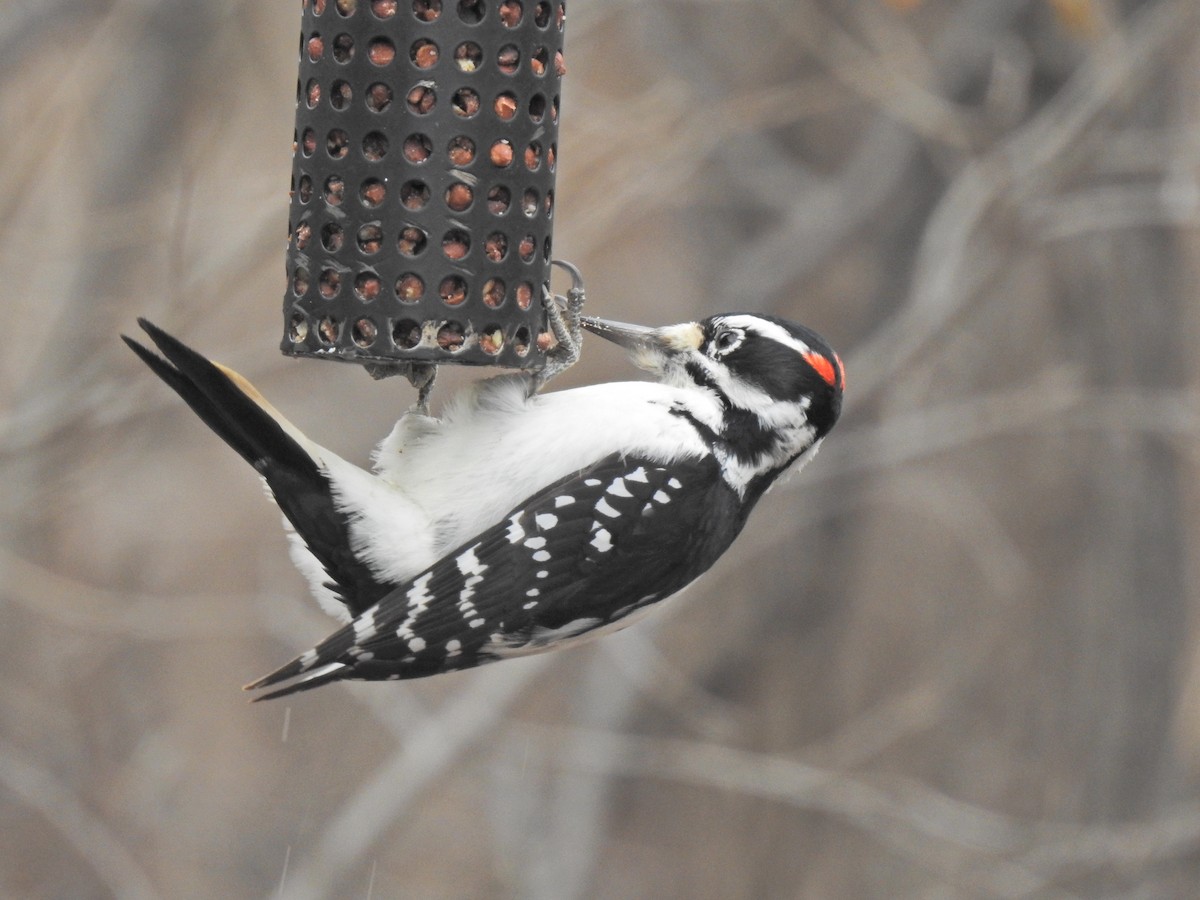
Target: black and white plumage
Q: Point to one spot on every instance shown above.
(517, 522)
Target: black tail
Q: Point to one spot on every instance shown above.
(223, 405)
(296, 480)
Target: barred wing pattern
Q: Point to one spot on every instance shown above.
(580, 555)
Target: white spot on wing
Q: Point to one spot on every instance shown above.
(515, 530)
(674, 483)
(604, 509)
(530, 605)
(536, 543)
(453, 647)
(661, 497)
(638, 474)
(541, 556)
(476, 623)
(418, 595)
(416, 644)
(602, 540)
(564, 500)
(546, 521)
(364, 627)
(468, 563)
(592, 482)
(618, 489)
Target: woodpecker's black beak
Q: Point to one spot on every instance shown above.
(631, 337)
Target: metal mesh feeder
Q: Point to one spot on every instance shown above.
(423, 181)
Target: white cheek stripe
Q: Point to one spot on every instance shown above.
(768, 329)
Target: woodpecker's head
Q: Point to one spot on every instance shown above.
(755, 363)
(777, 385)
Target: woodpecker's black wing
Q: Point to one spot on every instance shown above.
(226, 403)
(581, 554)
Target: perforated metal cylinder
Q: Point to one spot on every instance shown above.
(423, 180)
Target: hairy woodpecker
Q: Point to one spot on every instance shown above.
(517, 522)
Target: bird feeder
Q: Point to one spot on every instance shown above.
(422, 197)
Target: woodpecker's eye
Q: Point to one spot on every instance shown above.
(727, 340)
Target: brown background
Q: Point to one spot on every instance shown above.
(956, 657)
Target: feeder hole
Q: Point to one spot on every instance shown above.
(411, 242)
(409, 288)
(381, 51)
(332, 237)
(406, 334)
(367, 286)
(424, 54)
(538, 61)
(452, 290)
(329, 283)
(375, 146)
(501, 154)
(471, 11)
(298, 329)
(468, 55)
(451, 336)
(461, 151)
(337, 144)
(364, 332)
(465, 102)
(459, 197)
(427, 10)
(328, 330)
(340, 94)
(510, 13)
(505, 107)
(343, 48)
(491, 339)
(499, 199)
(493, 292)
(379, 97)
(495, 248)
(335, 190)
(417, 148)
(372, 193)
(508, 59)
(300, 281)
(421, 99)
(370, 239)
(414, 194)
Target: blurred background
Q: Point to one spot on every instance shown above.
(958, 656)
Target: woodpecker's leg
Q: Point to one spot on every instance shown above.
(421, 376)
(565, 325)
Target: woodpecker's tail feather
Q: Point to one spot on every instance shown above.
(334, 673)
(294, 468)
(227, 403)
(322, 664)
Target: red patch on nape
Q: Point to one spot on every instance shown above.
(824, 368)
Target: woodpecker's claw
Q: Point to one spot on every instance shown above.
(565, 325)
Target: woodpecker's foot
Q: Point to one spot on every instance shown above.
(421, 376)
(564, 322)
